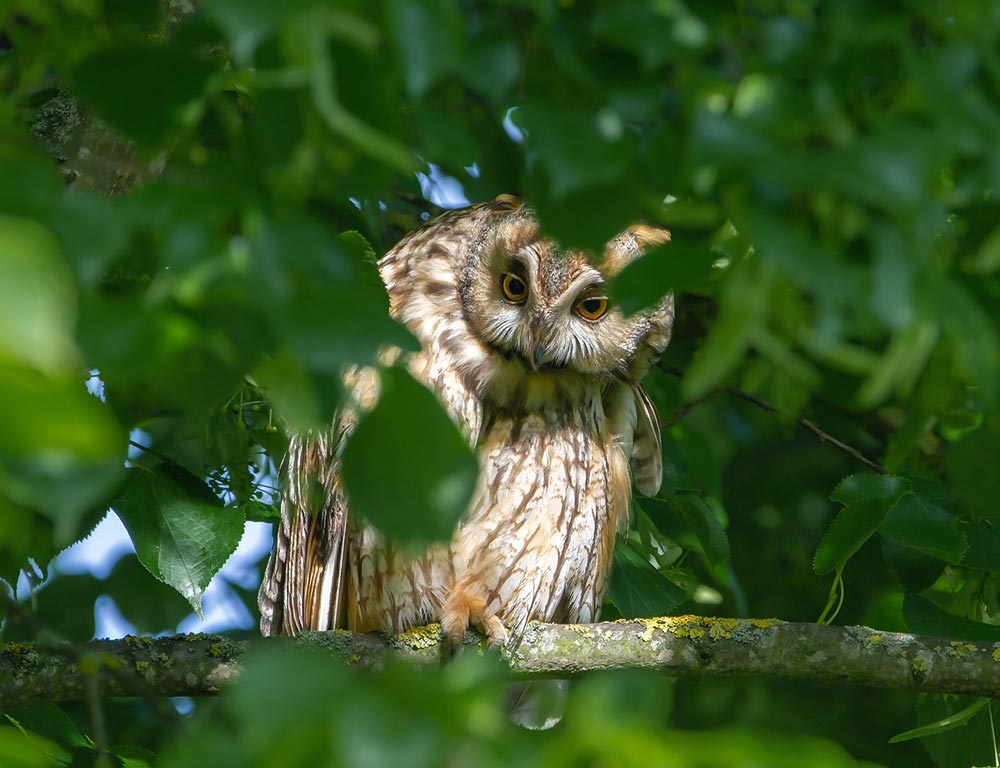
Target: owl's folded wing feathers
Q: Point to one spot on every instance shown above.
(306, 584)
(647, 449)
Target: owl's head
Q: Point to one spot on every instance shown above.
(530, 300)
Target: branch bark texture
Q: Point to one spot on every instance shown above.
(197, 665)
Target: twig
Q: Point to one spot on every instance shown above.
(152, 452)
(98, 728)
(824, 437)
(683, 646)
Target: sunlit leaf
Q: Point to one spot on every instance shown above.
(37, 298)
(19, 750)
(181, 534)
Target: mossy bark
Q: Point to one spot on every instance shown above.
(196, 665)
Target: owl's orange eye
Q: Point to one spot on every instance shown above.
(592, 307)
(513, 288)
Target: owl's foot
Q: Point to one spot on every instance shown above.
(464, 607)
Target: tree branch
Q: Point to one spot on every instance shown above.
(684, 646)
(764, 405)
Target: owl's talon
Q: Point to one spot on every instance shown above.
(496, 632)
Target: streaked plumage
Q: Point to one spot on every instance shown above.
(551, 400)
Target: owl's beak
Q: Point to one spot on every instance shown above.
(536, 342)
(537, 357)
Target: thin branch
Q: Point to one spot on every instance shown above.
(684, 646)
(98, 727)
(824, 437)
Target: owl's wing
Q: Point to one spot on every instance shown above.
(647, 449)
(632, 418)
(305, 585)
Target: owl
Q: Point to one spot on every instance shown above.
(542, 374)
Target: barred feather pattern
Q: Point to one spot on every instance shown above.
(554, 406)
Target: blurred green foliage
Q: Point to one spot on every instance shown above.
(229, 173)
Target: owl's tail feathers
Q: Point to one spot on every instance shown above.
(537, 705)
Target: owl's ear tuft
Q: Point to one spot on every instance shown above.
(506, 204)
(647, 236)
(630, 245)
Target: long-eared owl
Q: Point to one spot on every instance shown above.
(542, 374)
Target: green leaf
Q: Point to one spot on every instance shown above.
(924, 617)
(972, 745)
(987, 259)
(92, 230)
(50, 722)
(926, 527)
(850, 529)
(744, 305)
(636, 29)
(293, 391)
(972, 464)
(61, 450)
(916, 570)
(25, 750)
(585, 218)
(132, 756)
(577, 151)
(26, 534)
(688, 515)
(984, 547)
(976, 340)
(64, 489)
(944, 724)
(146, 603)
(638, 589)
(37, 298)
(247, 22)
(789, 246)
(675, 266)
(64, 604)
(339, 327)
(406, 498)
(868, 486)
(427, 34)
(140, 89)
(491, 66)
(180, 532)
